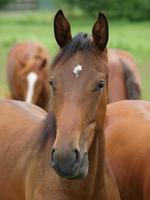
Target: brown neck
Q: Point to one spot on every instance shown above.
(95, 179)
(93, 186)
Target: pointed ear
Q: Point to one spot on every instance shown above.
(62, 29)
(100, 32)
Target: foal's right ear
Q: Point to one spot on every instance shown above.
(62, 29)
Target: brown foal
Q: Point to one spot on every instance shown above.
(61, 156)
(27, 73)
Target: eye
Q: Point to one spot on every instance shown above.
(100, 86)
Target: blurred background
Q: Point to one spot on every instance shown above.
(32, 20)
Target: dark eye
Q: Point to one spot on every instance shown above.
(100, 86)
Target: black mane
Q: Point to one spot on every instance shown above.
(82, 41)
(48, 130)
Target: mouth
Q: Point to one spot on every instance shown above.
(75, 172)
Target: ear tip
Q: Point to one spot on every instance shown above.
(59, 12)
(102, 16)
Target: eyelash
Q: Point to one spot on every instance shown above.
(100, 86)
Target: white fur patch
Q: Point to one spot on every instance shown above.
(77, 70)
(31, 79)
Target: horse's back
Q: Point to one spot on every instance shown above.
(16, 110)
(17, 116)
(124, 79)
(115, 91)
(19, 126)
(130, 62)
(116, 54)
(127, 145)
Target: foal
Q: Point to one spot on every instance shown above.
(61, 156)
(27, 73)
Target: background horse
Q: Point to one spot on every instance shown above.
(124, 79)
(128, 147)
(27, 73)
(73, 130)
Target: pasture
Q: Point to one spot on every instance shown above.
(38, 26)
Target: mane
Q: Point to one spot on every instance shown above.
(48, 130)
(132, 87)
(82, 41)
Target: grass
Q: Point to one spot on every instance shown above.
(38, 26)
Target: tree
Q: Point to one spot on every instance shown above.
(4, 2)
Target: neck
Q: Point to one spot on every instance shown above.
(93, 186)
(95, 179)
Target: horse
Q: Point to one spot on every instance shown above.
(127, 131)
(124, 78)
(27, 73)
(60, 155)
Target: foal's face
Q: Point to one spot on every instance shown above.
(32, 73)
(79, 97)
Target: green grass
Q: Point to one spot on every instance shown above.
(38, 26)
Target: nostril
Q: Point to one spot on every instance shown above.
(77, 153)
(52, 154)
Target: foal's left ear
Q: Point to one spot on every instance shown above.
(100, 32)
(62, 29)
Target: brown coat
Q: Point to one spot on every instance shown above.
(124, 78)
(127, 145)
(24, 58)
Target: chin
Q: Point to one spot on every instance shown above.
(81, 173)
(76, 173)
